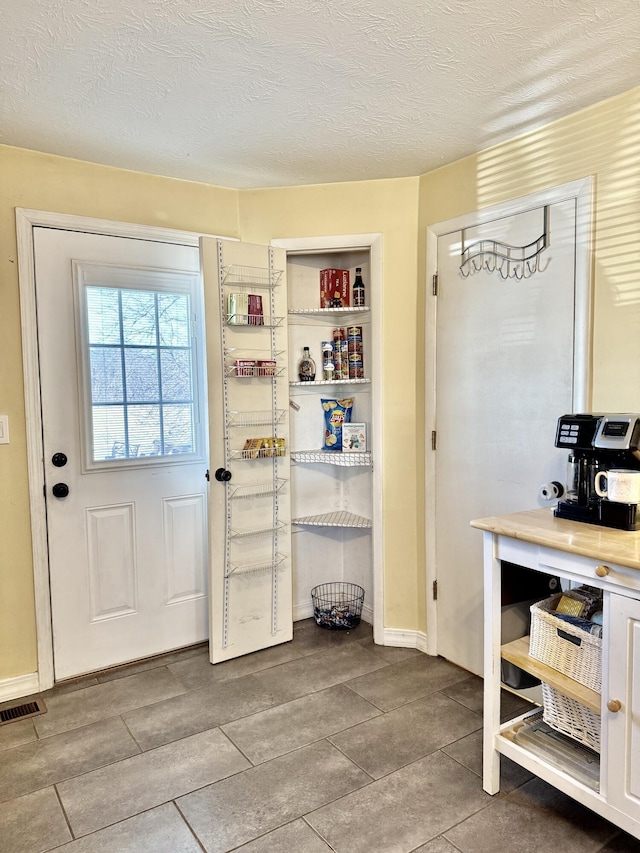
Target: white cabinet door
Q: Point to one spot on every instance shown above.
(250, 538)
(623, 725)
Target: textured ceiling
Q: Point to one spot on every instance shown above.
(256, 93)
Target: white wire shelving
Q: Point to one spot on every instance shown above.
(332, 457)
(339, 518)
(245, 276)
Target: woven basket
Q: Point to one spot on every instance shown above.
(564, 647)
(570, 717)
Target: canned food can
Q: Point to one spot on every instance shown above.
(328, 370)
(327, 349)
(355, 358)
(354, 346)
(338, 334)
(356, 371)
(354, 333)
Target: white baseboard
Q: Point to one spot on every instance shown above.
(405, 639)
(21, 685)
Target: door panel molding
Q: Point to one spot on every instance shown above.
(581, 191)
(26, 221)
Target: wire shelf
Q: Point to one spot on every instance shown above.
(334, 519)
(257, 533)
(251, 454)
(253, 321)
(255, 419)
(244, 276)
(360, 309)
(333, 457)
(331, 382)
(256, 490)
(236, 569)
(252, 371)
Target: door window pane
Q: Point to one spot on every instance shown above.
(142, 373)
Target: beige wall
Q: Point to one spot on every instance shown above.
(603, 141)
(42, 182)
(391, 208)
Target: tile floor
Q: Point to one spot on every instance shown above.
(326, 743)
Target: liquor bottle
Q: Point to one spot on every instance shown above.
(306, 367)
(358, 289)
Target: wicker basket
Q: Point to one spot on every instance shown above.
(564, 647)
(570, 717)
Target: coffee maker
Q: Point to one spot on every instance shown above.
(598, 442)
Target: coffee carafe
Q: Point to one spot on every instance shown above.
(598, 443)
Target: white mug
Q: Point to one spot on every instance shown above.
(623, 485)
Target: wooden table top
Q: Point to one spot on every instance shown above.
(540, 527)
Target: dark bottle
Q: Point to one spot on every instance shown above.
(306, 367)
(358, 290)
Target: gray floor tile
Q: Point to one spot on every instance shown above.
(385, 818)
(296, 836)
(202, 649)
(70, 686)
(399, 737)
(160, 830)
(534, 817)
(438, 845)
(246, 806)
(121, 790)
(197, 711)
(33, 823)
(309, 638)
(286, 727)
(622, 843)
(317, 672)
(468, 751)
(469, 692)
(197, 672)
(16, 733)
(390, 654)
(45, 762)
(72, 710)
(397, 685)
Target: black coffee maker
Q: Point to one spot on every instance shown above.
(598, 442)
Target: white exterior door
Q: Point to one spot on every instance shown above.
(122, 378)
(504, 374)
(250, 535)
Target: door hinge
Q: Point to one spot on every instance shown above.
(434, 439)
(434, 284)
(435, 590)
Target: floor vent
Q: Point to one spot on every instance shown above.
(19, 712)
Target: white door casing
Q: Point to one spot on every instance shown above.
(486, 338)
(26, 222)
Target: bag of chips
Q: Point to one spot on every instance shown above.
(336, 413)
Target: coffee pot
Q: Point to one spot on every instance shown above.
(602, 448)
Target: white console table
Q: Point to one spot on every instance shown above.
(579, 553)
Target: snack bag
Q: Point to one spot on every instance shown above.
(336, 413)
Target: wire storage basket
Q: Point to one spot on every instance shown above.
(337, 605)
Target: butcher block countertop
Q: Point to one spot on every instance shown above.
(589, 540)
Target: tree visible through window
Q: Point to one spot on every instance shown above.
(142, 385)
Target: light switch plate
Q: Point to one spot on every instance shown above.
(4, 429)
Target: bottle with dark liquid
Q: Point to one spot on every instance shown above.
(306, 367)
(358, 290)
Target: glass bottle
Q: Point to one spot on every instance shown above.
(358, 290)
(306, 367)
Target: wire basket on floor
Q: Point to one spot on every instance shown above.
(337, 605)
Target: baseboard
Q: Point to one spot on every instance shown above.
(405, 639)
(21, 685)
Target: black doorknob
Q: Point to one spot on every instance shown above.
(60, 490)
(222, 475)
(59, 460)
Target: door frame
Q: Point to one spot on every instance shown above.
(581, 191)
(373, 242)
(26, 221)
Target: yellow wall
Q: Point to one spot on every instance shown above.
(602, 141)
(389, 207)
(42, 182)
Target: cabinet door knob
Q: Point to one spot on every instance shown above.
(614, 705)
(602, 571)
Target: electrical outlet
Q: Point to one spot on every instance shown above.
(4, 429)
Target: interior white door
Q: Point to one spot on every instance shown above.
(122, 383)
(250, 535)
(504, 374)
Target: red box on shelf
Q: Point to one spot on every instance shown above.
(334, 284)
